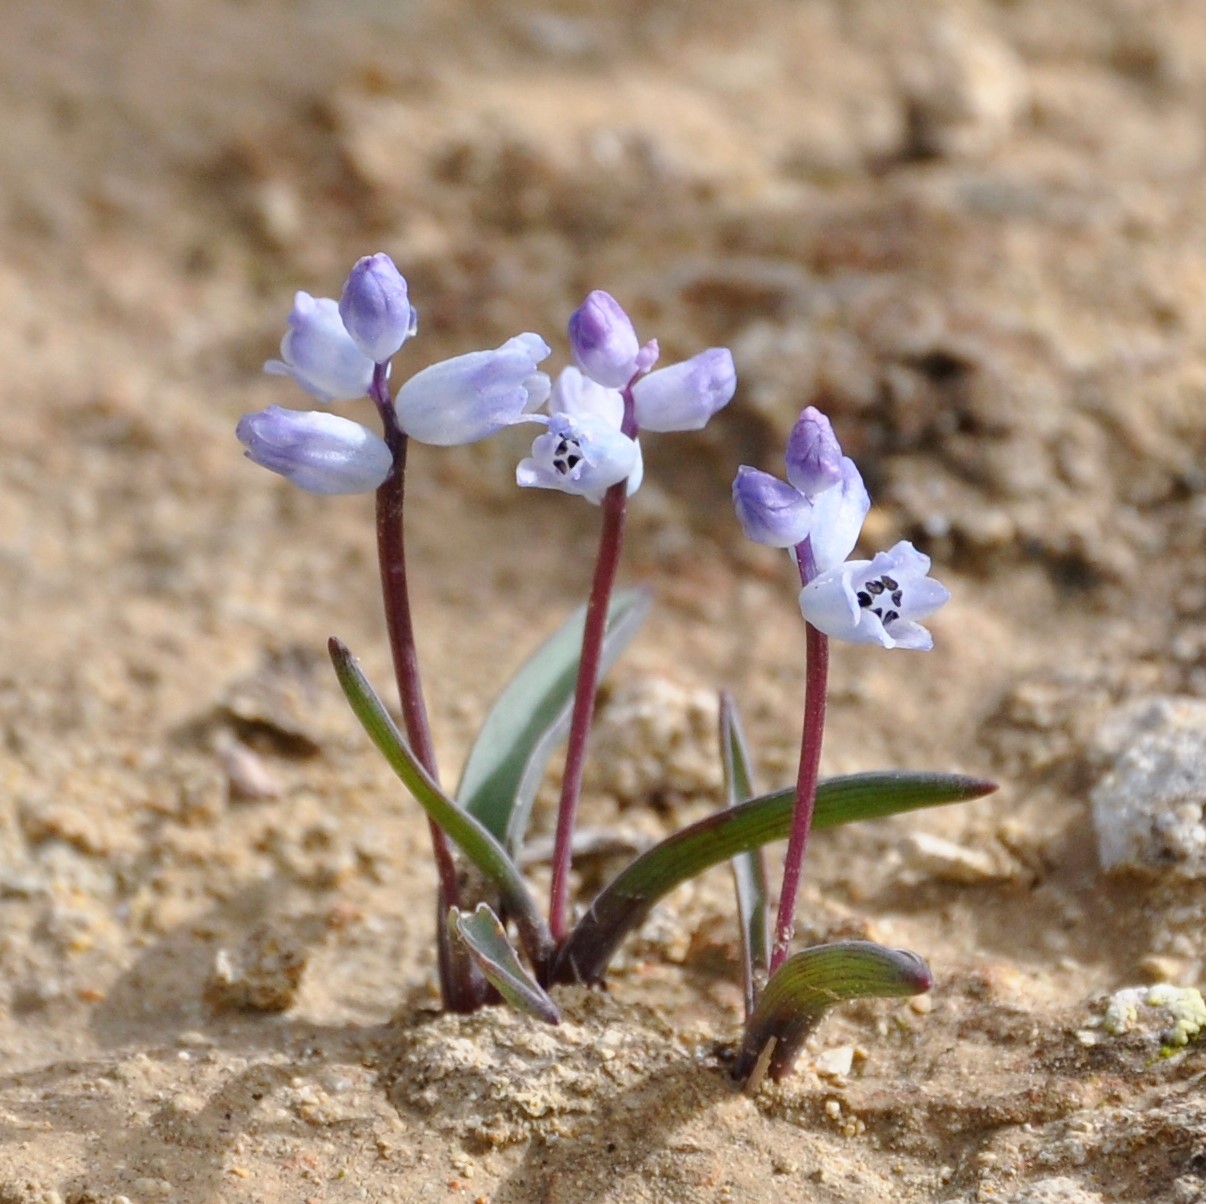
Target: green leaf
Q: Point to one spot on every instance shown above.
(807, 985)
(511, 753)
(478, 845)
(483, 935)
(624, 904)
(749, 868)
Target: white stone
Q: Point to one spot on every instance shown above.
(1148, 809)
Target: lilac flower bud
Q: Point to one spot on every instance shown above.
(602, 340)
(318, 451)
(876, 601)
(319, 354)
(770, 511)
(470, 397)
(684, 396)
(814, 456)
(375, 308)
(584, 455)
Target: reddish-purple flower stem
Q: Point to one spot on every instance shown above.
(816, 685)
(391, 558)
(611, 541)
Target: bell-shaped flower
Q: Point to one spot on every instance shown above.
(684, 396)
(584, 451)
(470, 397)
(375, 308)
(876, 601)
(775, 513)
(603, 341)
(321, 452)
(319, 354)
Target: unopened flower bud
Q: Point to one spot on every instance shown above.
(770, 511)
(684, 396)
(814, 456)
(375, 308)
(320, 452)
(602, 340)
(319, 354)
(470, 397)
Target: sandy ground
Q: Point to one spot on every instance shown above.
(972, 232)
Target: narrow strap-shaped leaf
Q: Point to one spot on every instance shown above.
(511, 753)
(478, 845)
(749, 868)
(624, 904)
(809, 983)
(482, 934)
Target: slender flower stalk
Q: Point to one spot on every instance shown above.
(816, 690)
(611, 541)
(457, 988)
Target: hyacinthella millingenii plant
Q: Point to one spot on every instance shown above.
(591, 419)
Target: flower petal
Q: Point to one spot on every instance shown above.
(574, 393)
(876, 601)
(838, 516)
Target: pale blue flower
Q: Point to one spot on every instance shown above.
(584, 451)
(320, 452)
(470, 397)
(375, 308)
(684, 396)
(319, 354)
(876, 601)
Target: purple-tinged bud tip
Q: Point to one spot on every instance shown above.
(814, 456)
(376, 309)
(603, 342)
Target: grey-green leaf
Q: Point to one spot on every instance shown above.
(478, 844)
(511, 753)
(482, 934)
(749, 867)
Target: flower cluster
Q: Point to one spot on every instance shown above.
(818, 513)
(597, 408)
(340, 351)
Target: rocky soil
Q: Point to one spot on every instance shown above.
(972, 232)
